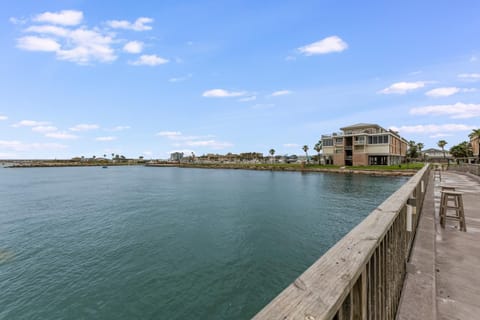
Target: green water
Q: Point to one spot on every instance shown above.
(166, 243)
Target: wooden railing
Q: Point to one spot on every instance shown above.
(361, 276)
(465, 167)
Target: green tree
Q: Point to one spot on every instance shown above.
(420, 147)
(412, 151)
(305, 149)
(442, 144)
(476, 134)
(318, 148)
(462, 150)
(272, 152)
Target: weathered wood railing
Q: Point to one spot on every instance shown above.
(361, 276)
(465, 167)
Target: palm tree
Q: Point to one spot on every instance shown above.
(442, 144)
(420, 147)
(305, 149)
(475, 134)
(272, 152)
(318, 148)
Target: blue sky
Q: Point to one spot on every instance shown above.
(145, 78)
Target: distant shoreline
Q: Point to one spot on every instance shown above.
(388, 171)
(297, 168)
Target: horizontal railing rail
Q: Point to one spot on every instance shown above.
(361, 276)
(465, 167)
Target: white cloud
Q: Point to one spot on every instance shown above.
(141, 24)
(281, 93)
(324, 46)
(469, 76)
(447, 91)
(169, 134)
(433, 128)
(246, 99)
(46, 29)
(44, 129)
(119, 128)
(21, 146)
(33, 43)
(291, 145)
(221, 93)
(208, 143)
(440, 135)
(64, 17)
(87, 45)
(3, 117)
(85, 127)
(149, 60)
(442, 92)
(403, 87)
(455, 111)
(105, 138)
(180, 79)
(30, 123)
(60, 135)
(133, 47)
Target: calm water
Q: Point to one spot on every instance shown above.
(166, 243)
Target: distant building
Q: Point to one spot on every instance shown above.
(475, 147)
(176, 156)
(433, 154)
(364, 144)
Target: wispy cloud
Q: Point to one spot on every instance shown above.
(194, 141)
(180, 79)
(281, 93)
(34, 43)
(119, 128)
(85, 127)
(221, 93)
(214, 144)
(324, 46)
(169, 134)
(433, 128)
(110, 138)
(149, 60)
(30, 123)
(44, 129)
(133, 47)
(447, 91)
(22, 146)
(403, 87)
(442, 92)
(246, 99)
(472, 77)
(455, 111)
(64, 17)
(291, 145)
(61, 135)
(141, 24)
(3, 117)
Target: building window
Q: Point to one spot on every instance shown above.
(328, 142)
(338, 140)
(381, 139)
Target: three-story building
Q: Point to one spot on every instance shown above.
(364, 144)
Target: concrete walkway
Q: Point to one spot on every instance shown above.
(443, 280)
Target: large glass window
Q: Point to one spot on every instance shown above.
(382, 139)
(327, 142)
